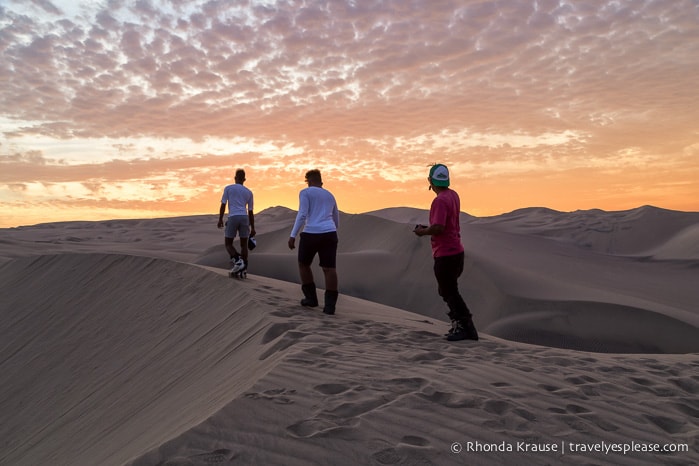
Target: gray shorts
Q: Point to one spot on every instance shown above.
(238, 224)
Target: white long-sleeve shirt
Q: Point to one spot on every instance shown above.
(318, 212)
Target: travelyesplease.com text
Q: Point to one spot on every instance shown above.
(565, 447)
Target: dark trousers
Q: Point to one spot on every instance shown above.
(448, 269)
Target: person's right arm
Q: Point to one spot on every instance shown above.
(221, 211)
(300, 218)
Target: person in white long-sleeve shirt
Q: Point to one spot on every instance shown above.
(319, 218)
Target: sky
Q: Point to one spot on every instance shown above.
(144, 108)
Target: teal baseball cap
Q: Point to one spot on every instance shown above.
(439, 175)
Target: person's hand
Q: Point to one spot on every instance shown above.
(292, 243)
(252, 232)
(220, 223)
(419, 230)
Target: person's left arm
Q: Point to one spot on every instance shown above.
(251, 216)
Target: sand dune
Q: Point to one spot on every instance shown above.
(527, 267)
(123, 343)
(98, 347)
(518, 270)
(631, 232)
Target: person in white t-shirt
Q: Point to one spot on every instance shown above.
(241, 220)
(319, 217)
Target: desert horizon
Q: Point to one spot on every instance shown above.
(387, 210)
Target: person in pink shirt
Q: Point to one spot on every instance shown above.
(448, 252)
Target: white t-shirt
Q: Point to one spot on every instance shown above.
(317, 212)
(238, 197)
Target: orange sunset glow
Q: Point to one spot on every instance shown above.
(119, 109)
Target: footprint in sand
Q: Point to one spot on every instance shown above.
(580, 393)
(286, 313)
(266, 289)
(403, 454)
(497, 407)
(278, 395)
(525, 414)
(275, 330)
(651, 386)
(688, 385)
(345, 405)
(220, 456)
(576, 423)
(600, 423)
(581, 380)
(642, 381)
(387, 456)
(288, 339)
(616, 370)
(452, 400)
(415, 441)
(500, 384)
(549, 388)
(426, 356)
(691, 411)
(575, 409)
(669, 425)
(317, 427)
(331, 388)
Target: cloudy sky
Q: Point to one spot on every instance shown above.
(144, 108)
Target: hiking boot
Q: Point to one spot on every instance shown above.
(463, 331)
(454, 324)
(310, 296)
(330, 301)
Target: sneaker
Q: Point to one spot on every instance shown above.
(238, 265)
(461, 332)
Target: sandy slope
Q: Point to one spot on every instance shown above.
(116, 348)
(202, 369)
